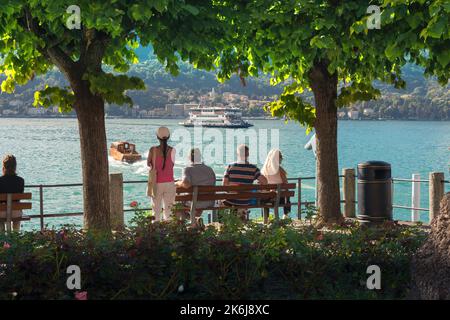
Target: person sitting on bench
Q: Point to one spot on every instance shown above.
(242, 172)
(10, 182)
(276, 174)
(198, 174)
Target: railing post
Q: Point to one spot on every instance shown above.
(299, 198)
(348, 182)
(436, 192)
(415, 197)
(41, 206)
(116, 201)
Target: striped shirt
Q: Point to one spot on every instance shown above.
(241, 173)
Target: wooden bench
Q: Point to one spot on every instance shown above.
(10, 202)
(267, 196)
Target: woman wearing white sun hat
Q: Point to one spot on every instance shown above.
(161, 160)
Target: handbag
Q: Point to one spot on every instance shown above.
(151, 184)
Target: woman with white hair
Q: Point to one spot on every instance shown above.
(161, 160)
(276, 174)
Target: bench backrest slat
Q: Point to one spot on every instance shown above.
(16, 206)
(227, 196)
(10, 202)
(244, 187)
(234, 196)
(16, 196)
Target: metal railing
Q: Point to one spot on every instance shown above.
(299, 203)
(42, 215)
(415, 206)
(415, 192)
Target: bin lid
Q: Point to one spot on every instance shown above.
(374, 164)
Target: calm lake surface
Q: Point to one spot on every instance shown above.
(48, 153)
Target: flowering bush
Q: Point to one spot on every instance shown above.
(141, 216)
(169, 260)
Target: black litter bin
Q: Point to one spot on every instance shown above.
(374, 192)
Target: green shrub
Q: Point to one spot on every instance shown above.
(168, 260)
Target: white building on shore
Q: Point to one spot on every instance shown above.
(175, 109)
(341, 114)
(368, 112)
(9, 112)
(353, 114)
(36, 111)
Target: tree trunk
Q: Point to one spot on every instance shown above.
(94, 161)
(324, 87)
(431, 265)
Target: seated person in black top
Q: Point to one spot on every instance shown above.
(10, 182)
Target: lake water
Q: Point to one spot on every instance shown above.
(48, 153)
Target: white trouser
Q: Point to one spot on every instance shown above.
(15, 225)
(165, 192)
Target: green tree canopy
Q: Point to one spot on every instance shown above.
(35, 38)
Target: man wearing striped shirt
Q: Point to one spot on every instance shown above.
(242, 172)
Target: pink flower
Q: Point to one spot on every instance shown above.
(319, 236)
(81, 295)
(6, 245)
(134, 204)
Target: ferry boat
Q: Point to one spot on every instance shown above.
(124, 151)
(216, 117)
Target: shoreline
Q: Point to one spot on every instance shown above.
(180, 118)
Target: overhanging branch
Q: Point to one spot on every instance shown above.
(51, 50)
(93, 49)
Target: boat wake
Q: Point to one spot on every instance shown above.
(140, 167)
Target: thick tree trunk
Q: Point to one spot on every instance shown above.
(91, 123)
(324, 87)
(94, 160)
(431, 265)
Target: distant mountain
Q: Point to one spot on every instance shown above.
(190, 78)
(422, 99)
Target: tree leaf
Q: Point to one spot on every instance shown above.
(393, 51)
(436, 30)
(443, 57)
(322, 41)
(193, 10)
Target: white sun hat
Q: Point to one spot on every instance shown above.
(163, 133)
